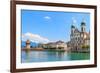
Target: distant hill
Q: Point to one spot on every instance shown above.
(33, 44)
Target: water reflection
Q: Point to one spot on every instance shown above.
(45, 56)
(27, 56)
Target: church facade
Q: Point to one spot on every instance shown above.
(79, 39)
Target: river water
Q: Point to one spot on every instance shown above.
(49, 56)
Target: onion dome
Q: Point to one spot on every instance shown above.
(72, 26)
(83, 22)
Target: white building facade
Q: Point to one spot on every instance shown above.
(79, 38)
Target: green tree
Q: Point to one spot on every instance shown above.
(85, 46)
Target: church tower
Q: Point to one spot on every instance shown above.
(72, 29)
(83, 26)
(72, 26)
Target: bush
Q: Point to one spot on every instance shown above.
(85, 46)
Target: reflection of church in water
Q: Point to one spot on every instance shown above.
(79, 39)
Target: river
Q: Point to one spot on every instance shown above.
(50, 56)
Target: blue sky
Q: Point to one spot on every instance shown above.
(52, 25)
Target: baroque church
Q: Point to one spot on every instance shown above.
(79, 38)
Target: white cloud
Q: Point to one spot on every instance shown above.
(47, 17)
(34, 38)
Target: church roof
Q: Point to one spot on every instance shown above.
(59, 42)
(76, 30)
(83, 23)
(72, 26)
